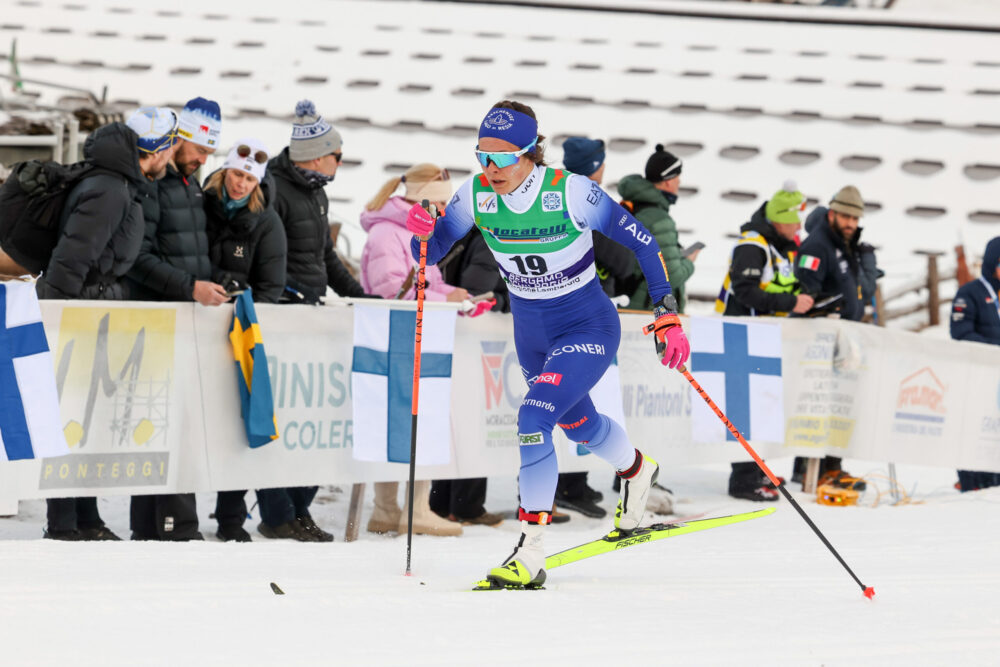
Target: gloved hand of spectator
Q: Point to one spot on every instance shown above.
(476, 308)
(419, 222)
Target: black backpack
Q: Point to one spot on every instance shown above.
(31, 204)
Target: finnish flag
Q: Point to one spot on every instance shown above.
(382, 384)
(739, 365)
(29, 404)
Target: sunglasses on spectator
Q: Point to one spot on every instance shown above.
(244, 151)
(503, 158)
(339, 156)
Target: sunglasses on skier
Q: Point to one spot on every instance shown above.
(503, 158)
(244, 151)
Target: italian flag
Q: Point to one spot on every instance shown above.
(809, 262)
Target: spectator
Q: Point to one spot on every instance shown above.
(761, 281)
(301, 172)
(387, 270)
(247, 246)
(975, 316)
(832, 260)
(650, 197)
(100, 234)
(173, 265)
(612, 260)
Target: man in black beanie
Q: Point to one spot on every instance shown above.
(650, 197)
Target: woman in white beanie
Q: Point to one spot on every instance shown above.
(248, 248)
(247, 243)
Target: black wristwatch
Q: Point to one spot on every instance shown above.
(666, 306)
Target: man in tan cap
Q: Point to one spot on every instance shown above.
(832, 261)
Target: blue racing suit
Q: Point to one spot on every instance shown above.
(566, 330)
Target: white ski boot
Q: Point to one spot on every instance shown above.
(636, 482)
(525, 567)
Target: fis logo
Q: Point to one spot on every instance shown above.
(486, 202)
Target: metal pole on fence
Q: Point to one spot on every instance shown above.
(933, 297)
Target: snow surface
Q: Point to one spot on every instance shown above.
(765, 592)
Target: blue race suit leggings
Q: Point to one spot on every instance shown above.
(564, 346)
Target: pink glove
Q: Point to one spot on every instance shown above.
(678, 349)
(476, 309)
(419, 222)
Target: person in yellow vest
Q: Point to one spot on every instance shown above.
(761, 281)
(761, 278)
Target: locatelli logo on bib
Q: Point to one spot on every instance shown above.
(501, 119)
(526, 234)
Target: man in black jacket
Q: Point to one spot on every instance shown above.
(100, 233)
(832, 260)
(301, 172)
(173, 265)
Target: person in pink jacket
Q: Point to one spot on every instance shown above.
(386, 264)
(387, 269)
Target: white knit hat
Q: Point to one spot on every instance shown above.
(254, 158)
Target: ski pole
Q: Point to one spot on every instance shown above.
(421, 284)
(868, 591)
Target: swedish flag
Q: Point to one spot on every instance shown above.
(257, 403)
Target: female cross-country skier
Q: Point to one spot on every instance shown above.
(537, 222)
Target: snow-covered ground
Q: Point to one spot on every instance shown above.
(765, 592)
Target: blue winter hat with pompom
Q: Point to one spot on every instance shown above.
(312, 137)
